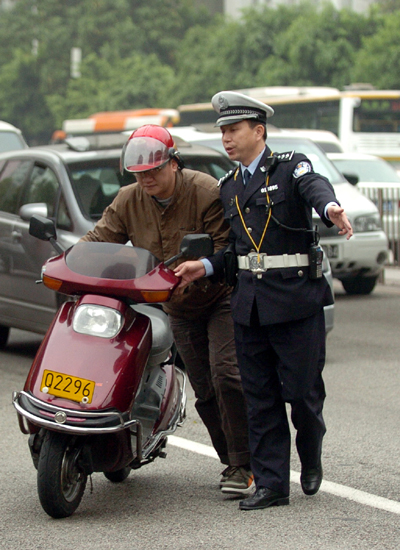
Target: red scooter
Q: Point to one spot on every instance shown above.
(103, 392)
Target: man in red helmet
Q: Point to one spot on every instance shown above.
(167, 202)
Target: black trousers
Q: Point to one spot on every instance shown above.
(281, 364)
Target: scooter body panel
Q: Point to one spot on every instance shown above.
(171, 400)
(115, 365)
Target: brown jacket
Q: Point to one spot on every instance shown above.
(195, 208)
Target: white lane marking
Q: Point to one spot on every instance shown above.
(327, 486)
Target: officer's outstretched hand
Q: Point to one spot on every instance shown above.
(189, 271)
(338, 216)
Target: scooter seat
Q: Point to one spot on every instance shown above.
(162, 333)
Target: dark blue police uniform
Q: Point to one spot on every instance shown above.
(278, 313)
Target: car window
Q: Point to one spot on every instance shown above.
(9, 141)
(368, 170)
(217, 167)
(214, 143)
(12, 179)
(63, 220)
(42, 187)
(95, 185)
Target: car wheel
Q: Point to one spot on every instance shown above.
(4, 332)
(359, 285)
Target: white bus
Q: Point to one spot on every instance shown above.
(365, 121)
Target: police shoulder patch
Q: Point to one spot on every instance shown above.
(282, 157)
(226, 177)
(302, 168)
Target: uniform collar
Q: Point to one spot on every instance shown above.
(253, 165)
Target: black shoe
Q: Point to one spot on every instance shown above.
(311, 479)
(263, 498)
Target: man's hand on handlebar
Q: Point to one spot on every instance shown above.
(189, 271)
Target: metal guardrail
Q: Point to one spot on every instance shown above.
(387, 199)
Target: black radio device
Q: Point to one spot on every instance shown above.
(315, 257)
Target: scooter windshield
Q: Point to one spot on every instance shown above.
(110, 260)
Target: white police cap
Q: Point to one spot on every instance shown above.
(235, 107)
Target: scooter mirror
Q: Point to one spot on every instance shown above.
(197, 245)
(42, 228)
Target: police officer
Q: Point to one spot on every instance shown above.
(278, 300)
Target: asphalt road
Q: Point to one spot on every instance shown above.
(176, 504)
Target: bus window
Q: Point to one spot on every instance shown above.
(322, 115)
(374, 115)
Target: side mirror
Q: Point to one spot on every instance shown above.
(197, 246)
(44, 229)
(33, 209)
(352, 178)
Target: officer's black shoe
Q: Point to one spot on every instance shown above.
(311, 479)
(263, 498)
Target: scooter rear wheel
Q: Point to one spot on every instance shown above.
(118, 475)
(61, 482)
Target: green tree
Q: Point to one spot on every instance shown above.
(132, 83)
(22, 103)
(378, 61)
(285, 46)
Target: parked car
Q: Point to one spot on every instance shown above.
(357, 262)
(71, 183)
(328, 141)
(11, 138)
(378, 180)
(364, 168)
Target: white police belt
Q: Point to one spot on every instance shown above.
(259, 263)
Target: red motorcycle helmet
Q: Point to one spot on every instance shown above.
(148, 147)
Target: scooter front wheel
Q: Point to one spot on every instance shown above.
(118, 475)
(61, 482)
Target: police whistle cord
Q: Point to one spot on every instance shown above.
(266, 224)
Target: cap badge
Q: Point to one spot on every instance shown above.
(223, 102)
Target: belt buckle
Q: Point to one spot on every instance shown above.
(256, 266)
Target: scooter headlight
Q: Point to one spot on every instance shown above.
(97, 321)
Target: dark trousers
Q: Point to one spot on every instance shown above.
(281, 364)
(207, 348)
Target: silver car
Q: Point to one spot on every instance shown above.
(71, 183)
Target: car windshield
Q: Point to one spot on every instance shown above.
(368, 170)
(216, 166)
(110, 260)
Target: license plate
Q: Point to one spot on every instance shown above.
(331, 250)
(67, 386)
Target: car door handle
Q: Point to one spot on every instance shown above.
(16, 236)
